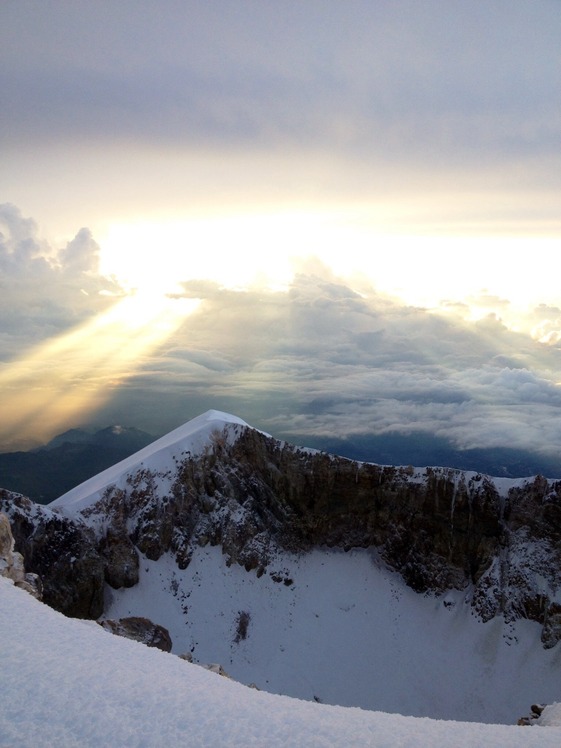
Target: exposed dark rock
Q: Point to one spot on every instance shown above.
(535, 713)
(141, 630)
(61, 552)
(11, 562)
(121, 559)
(242, 625)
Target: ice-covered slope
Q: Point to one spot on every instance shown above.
(161, 456)
(69, 683)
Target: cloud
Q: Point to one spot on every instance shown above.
(44, 290)
(323, 360)
(547, 324)
(81, 255)
(389, 80)
(487, 301)
(439, 119)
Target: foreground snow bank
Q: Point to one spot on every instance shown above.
(69, 683)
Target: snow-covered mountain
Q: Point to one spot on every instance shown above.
(428, 592)
(161, 458)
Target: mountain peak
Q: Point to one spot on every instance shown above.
(159, 456)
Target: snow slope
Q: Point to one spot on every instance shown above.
(68, 683)
(345, 630)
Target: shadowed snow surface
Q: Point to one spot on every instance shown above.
(69, 683)
(345, 630)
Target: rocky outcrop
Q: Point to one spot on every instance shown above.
(121, 559)
(62, 552)
(214, 667)
(11, 562)
(536, 711)
(141, 630)
(253, 495)
(440, 528)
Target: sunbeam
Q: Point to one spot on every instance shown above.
(65, 379)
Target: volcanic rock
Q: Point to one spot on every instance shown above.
(141, 630)
(62, 552)
(11, 562)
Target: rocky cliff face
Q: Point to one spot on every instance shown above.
(11, 562)
(254, 496)
(61, 551)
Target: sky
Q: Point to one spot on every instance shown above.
(326, 218)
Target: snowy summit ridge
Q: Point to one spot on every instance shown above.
(159, 456)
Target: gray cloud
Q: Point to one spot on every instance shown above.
(43, 290)
(375, 79)
(321, 360)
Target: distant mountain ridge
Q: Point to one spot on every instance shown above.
(421, 448)
(46, 472)
(123, 437)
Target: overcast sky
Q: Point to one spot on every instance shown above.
(353, 208)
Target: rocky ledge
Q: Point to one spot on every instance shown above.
(61, 551)
(254, 495)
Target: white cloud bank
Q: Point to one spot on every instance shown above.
(320, 359)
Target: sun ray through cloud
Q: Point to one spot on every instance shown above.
(67, 378)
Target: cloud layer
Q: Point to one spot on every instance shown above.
(136, 108)
(430, 78)
(320, 359)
